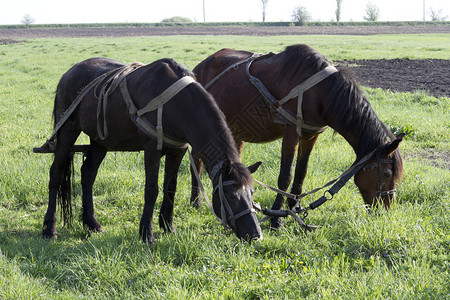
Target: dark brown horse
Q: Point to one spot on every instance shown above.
(191, 116)
(334, 100)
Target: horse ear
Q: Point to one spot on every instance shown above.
(394, 144)
(254, 167)
(400, 136)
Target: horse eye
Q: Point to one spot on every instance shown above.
(387, 173)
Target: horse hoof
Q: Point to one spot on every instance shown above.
(165, 225)
(97, 229)
(49, 234)
(93, 226)
(146, 233)
(169, 229)
(148, 240)
(93, 230)
(196, 203)
(276, 223)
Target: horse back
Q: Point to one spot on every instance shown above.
(144, 83)
(218, 62)
(76, 78)
(249, 117)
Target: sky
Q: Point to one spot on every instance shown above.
(151, 11)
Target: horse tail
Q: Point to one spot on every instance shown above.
(64, 194)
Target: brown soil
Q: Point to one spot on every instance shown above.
(222, 30)
(404, 75)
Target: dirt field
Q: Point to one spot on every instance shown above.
(397, 75)
(404, 75)
(222, 30)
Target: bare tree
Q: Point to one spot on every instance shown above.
(264, 6)
(338, 10)
(27, 20)
(301, 15)
(372, 12)
(437, 15)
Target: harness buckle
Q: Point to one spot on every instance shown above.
(329, 194)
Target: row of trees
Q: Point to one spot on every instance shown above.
(301, 15)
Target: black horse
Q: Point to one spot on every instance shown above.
(120, 120)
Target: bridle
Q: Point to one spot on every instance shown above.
(377, 164)
(218, 188)
(225, 206)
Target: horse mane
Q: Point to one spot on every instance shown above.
(346, 102)
(302, 58)
(241, 174)
(177, 67)
(351, 109)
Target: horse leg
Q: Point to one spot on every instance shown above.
(196, 200)
(288, 147)
(89, 169)
(152, 162)
(172, 165)
(59, 183)
(301, 167)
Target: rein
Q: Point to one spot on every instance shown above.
(235, 66)
(285, 116)
(338, 183)
(49, 145)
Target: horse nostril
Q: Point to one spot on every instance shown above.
(252, 237)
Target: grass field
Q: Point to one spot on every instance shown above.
(356, 254)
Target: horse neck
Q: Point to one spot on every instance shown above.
(352, 116)
(209, 135)
(214, 151)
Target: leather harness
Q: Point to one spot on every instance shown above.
(157, 103)
(284, 116)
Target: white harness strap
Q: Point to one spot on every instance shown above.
(300, 89)
(288, 116)
(156, 103)
(107, 88)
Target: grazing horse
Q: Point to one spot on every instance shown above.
(120, 119)
(313, 95)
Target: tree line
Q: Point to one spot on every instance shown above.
(300, 14)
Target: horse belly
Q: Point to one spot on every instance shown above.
(255, 134)
(250, 120)
(122, 134)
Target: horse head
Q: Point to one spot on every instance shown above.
(233, 199)
(377, 179)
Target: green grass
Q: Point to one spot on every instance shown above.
(356, 254)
